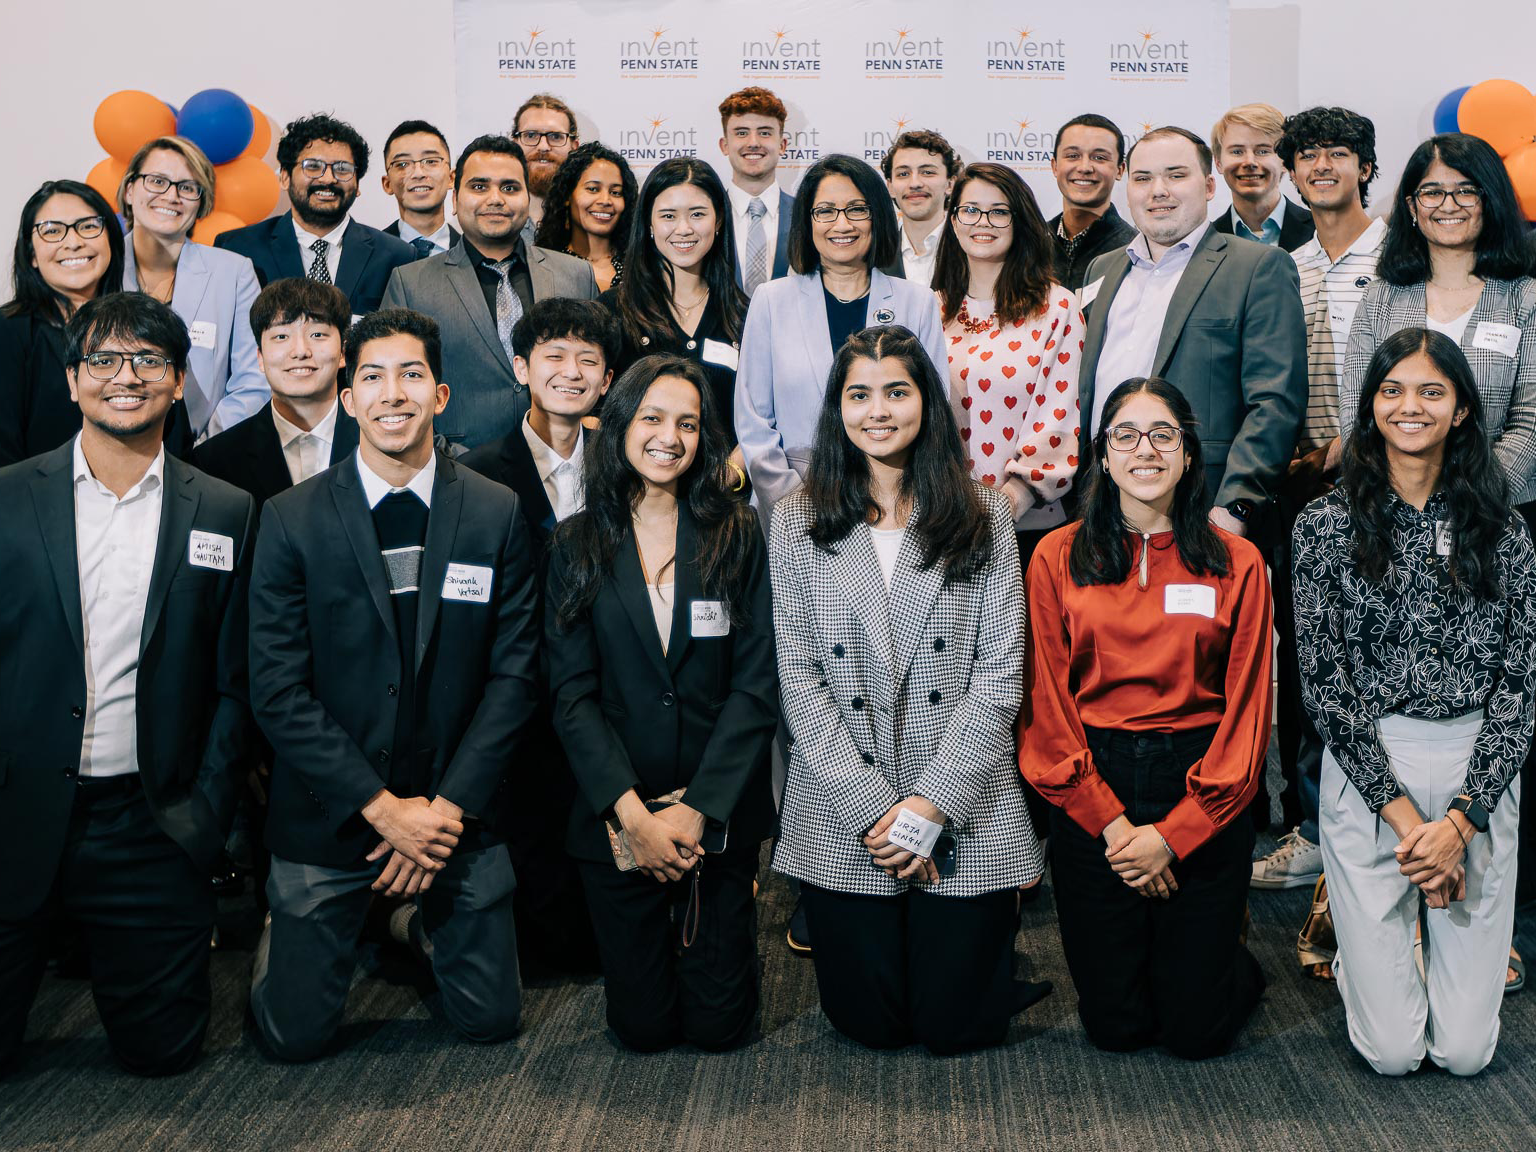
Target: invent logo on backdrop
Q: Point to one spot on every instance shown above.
(1149, 58)
(903, 53)
(536, 54)
(1021, 145)
(878, 141)
(1026, 56)
(656, 54)
(778, 53)
(647, 141)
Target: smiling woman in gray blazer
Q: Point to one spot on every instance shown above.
(843, 233)
(899, 618)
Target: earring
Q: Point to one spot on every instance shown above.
(1104, 464)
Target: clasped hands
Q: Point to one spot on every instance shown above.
(666, 845)
(895, 861)
(418, 834)
(1139, 857)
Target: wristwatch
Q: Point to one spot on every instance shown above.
(1240, 509)
(1476, 814)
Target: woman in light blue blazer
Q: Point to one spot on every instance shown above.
(167, 190)
(843, 232)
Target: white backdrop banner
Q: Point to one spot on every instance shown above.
(996, 77)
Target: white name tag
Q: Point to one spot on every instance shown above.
(1089, 293)
(470, 583)
(1340, 317)
(204, 333)
(1442, 537)
(210, 550)
(710, 618)
(914, 833)
(1502, 338)
(1190, 600)
(721, 353)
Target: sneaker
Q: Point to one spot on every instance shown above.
(1295, 863)
(400, 922)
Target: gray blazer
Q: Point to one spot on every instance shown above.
(1234, 341)
(889, 694)
(485, 401)
(213, 296)
(1506, 384)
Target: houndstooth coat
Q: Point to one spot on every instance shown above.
(889, 695)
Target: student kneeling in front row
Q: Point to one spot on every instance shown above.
(393, 647)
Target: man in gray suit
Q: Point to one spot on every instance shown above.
(477, 290)
(1217, 316)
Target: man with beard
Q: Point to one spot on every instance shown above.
(481, 287)
(545, 127)
(920, 171)
(1089, 158)
(321, 163)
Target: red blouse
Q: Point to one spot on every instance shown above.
(1183, 652)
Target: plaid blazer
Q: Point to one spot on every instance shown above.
(914, 691)
(1506, 384)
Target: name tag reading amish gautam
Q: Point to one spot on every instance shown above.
(710, 618)
(210, 550)
(469, 583)
(1503, 338)
(1190, 600)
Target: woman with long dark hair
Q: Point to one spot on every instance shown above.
(1416, 624)
(660, 639)
(587, 210)
(1014, 336)
(899, 619)
(1148, 726)
(680, 294)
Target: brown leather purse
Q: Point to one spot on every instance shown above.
(1316, 944)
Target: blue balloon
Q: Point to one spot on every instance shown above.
(218, 122)
(1445, 111)
(175, 111)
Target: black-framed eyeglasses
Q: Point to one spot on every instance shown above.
(430, 164)
(341, 169)
(157, 185)
(1127, 437)
(825, 213)
(87, 228)
(1466, 196)
(149, 367)
(528, 138)
(969, 214)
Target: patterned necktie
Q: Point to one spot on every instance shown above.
(509, 308)
(424, 247)
(319, 271)
(757, 247)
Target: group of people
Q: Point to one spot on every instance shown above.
(521, 578)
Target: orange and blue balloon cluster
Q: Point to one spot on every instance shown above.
(1504, 114)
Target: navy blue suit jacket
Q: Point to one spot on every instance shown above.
(368, 256)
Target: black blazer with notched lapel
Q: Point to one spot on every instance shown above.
(368, 256)
(191, 713)
(393, 229)
(325, 662)
(703, 716)
(509, 462)
(250, 456)
(1296, 225)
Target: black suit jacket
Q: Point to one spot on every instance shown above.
(325, 662)
(703, 716)
(191, 706)
(509, 462)
(368, 256)
(454, 235)
(250, 456)
(1296, 226)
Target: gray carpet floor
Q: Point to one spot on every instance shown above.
(402, 1081)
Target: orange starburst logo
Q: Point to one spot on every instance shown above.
(780, 33)
(903, 33)
(657, 33)
(535, 33)
(1023, 125)
(901, 123)
(657, 121)
(1024, 33)
(1146, 37)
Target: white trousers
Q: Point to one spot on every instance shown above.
(1452, 1012)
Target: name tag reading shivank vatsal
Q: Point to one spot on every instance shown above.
(468, 583)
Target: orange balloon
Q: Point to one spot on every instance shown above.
(208, 228)
(126, 121)
(261, 136)
(245, 187)
(1522, 174)
(1501, 112)
(107, 178)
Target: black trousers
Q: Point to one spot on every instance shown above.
(145, 911)
(661, 994)
(917, 967)
(1150, 971)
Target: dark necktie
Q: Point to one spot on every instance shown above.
(424, 247)
(319, 271)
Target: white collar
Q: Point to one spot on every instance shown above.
(1139, 253)
(375, 487)
(930, 241)
(1277, 214)
(441, 237)
(741, 200)
(306, 238)
(545, 458)
(153, 477)
(288, 432)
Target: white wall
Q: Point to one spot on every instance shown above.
(376, 64)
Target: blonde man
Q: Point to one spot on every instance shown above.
(1244, 143)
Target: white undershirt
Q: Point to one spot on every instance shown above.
(661, 608)
(307, 453)
(887, 547)
(1454, 328)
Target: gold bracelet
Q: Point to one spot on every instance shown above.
(741, 476)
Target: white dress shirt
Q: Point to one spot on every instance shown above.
(740, 201)
(115, 544)
(306, 453)
(561, 478)
(1134, 325)
(918, 264)
(375, 487)
(332, 254)
(440, 240)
